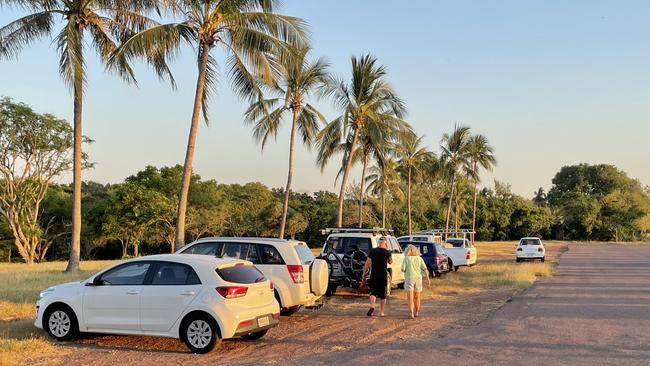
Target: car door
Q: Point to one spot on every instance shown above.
(398, 259)
(114, 304)
(170, 291)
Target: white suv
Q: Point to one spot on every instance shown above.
(299, 278)
(198, 299)
(345, 242)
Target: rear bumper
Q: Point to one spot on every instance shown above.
(258, 324)
(524, 256)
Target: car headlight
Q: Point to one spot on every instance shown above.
(45, 293)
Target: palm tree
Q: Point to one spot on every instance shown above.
(248, 31)
(454, 148)
(480, 155)
(367, 101)
(412, 157)
(107, 22)
(299, 78)
(383, 179)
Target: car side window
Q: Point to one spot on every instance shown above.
(127, 274)
(270, 255)
(204, 249)
(235, 250)
(253, 255)
(424, 249)
(394, 245)
(174, 274)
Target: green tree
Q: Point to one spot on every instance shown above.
(479, 155)
(368, 101)
(455, 149)
(34, 150)
(299, 78)
(384, 179)
(106, 22)
(248, 31)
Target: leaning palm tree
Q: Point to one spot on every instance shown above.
(248, 31)
(383, 179)
(367, 101)
(106, 22)
(480, 155)
(412, 158)
(454, 148)
(298, 80)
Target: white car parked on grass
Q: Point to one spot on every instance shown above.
(198, 299)
(530, 248)
(299, 278)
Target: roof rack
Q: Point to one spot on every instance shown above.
(443, 231)
(339, 230)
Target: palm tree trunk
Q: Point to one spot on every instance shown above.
(75, 242)
(346, 172)
(383, 210)
(363, 179)
(189, 155)
(451, 197)
(475, 194)
(408, 200)
(285, 206)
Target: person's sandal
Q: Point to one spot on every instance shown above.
(370, 311)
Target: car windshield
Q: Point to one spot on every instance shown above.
(342, 245)
(457, 243)
(530, 242)
(304, 253)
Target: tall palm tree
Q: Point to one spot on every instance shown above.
(412, 158)
(480, 155)
(383, 179)
(454, 148)
(367, 100)
(106, 22)
(248, 31)
(298, 80)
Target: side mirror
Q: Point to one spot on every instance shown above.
(97, 281)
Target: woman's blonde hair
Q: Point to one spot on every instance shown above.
(412, 250)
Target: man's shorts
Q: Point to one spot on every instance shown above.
(413, 284)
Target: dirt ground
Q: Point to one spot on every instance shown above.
(340, 325)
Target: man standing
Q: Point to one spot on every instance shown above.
(378, 260)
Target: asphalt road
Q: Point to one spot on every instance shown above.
(595, 310)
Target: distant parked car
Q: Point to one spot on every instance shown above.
(461, 252)
(198, 299)
(530, 248)
(434, 256)
(424, 237)
(299, 278)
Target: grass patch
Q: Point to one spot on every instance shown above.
(20, 285)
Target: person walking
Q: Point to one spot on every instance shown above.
(377, 262)
(414, 269)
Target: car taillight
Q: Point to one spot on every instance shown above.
(271, 286)
(540, 249)
(276, 316)
(246, 323)
(437, 259)
(296, 272)
(519, 249)
(467, 256)
(232, 292)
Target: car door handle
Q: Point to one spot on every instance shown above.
(187, 293)
(133, 292)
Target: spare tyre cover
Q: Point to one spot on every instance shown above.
(319, 277)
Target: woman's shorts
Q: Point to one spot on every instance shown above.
(413, 284)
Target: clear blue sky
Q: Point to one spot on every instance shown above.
(550, 83)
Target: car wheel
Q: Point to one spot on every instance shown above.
(518, 259)
(331, 290)
(60, 322)
(200, 334)
(401, 286)
(255, 336)
(289, 311)
(543, 258)
(456, 268)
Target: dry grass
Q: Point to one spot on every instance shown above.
(19, 288)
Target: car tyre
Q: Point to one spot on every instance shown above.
(255, 336)
(60, 322)
(518, 259)
(289, 311)
(543, 258)
(200, 333)
(331, 290)
(456, 268)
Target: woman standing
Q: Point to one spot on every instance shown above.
(414, 269)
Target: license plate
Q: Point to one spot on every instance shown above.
(530, 254)
(263, 321)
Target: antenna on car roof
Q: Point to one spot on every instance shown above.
(340, 230)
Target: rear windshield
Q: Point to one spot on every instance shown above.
(439, 249)
(241, 274)
(420, 238)
(457, 243)
(304, 253)
(344, 245)
(530, 242)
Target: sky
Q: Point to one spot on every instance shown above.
(550, 83)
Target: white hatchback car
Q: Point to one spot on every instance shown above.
(530, 248)
(198, 299)
(298, 277)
